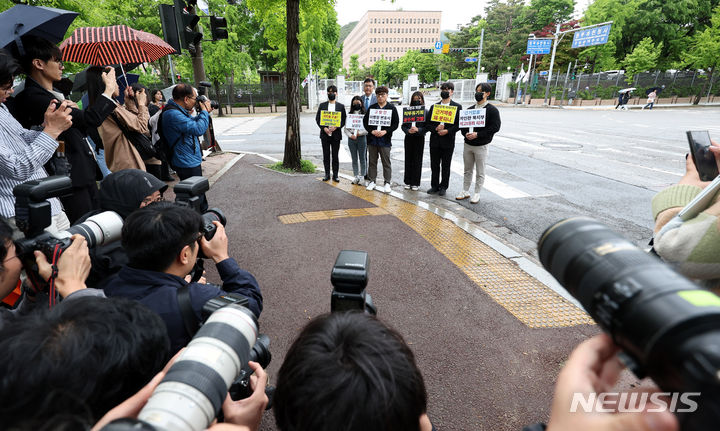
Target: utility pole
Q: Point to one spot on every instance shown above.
(482, 37)
(552, 62)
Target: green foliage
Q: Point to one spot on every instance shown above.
(643, 57)
(541, 13)
(704, 48)
(306, 167)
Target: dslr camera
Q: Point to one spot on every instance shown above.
(33, 215)
(667, 326)
(349, 277)
(202, 98)
(188, 192)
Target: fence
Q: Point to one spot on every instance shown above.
(256, 95)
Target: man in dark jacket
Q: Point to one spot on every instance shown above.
(442, 140)
(162, 242)
(380, 140)
(330, 136)
(123, 192)
(43, 67)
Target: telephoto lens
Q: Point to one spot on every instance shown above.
(99, 229)
(191, 394)
(667, 326)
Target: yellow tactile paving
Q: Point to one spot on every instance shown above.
(530, 301)
(330, 214)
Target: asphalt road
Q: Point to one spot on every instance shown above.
(543, 165)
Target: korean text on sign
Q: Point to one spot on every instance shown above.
(354, 121)
(380, 117)
(414, 114)
(472, 118)
(330, 118)
(443, 114)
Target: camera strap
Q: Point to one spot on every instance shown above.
(52, 291)
(186, 311)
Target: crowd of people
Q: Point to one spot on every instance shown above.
(127, 307)
(374, 141)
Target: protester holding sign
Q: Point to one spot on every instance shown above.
(414, 127)
(443, 125)
(380, 121)
(480, 125)
(357, 143)
(331, 118)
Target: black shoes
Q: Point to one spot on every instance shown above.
(336, 179)
(432, 191)
(327, 177)
(441, 192)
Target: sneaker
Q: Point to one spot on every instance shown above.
(387, 188)
(407, 187)
(441, 192)
(336, 179)
(371, 186)
(355, 180)
(432, 191)
(475, 198)
(463, 195)
(414, 188)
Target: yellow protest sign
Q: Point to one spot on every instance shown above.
(330, 118)
(443, 114)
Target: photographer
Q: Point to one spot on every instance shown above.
(181, 131)
(162, 242)
(691, 246)
(75, 362)
(23, 152)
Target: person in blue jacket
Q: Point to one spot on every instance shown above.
(162, 242)
(181, 130)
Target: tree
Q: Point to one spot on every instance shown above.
(505, 35)
(703, 50)
(541, 13)
(355, 73)
(643, 57)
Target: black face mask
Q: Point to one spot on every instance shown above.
(444, 94)
(415, 103)
(357, 106)
(331, 96)
(479, 96)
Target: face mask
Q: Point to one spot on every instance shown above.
(479, 96)
(444, 94)
(357, 105)
(331, 96)
(416, 103)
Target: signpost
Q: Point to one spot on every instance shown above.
(438, 47)
(591, 37)
(471, 59)
(538, 46)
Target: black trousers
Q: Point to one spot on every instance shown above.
(329, 144)
(414, 148)
(440, 158)
(83, 200)
(184, 173)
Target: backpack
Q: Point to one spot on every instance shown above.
(163, 148)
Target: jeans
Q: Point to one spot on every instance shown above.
(100, 157)
(474, 157)
(649, 105)
(358, 150)
(384, 153)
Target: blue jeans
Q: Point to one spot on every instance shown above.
(100, 157)
(358, 150)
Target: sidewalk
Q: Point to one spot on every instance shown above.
(480, 322)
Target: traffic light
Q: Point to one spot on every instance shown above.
(457, 50)
(427, 50)
(187, 24)
(169, 26)
(218, 28)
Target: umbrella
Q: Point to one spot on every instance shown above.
(20, 20)
(625, 90)
(80, 82)
(117, 44)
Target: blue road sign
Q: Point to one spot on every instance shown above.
(591, 36)
(539, 46)
(438, 45)
(471, 59)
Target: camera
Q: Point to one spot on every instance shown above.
(349, 277)
(667, 326)
(202, 98)
(33, 215)
(188, 192)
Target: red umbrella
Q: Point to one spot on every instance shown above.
(117, 44)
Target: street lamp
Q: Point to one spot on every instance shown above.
(412, 70)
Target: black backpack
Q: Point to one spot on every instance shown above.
(163, 148)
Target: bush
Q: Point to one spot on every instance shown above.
(306, 167)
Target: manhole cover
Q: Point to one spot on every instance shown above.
(562, 146)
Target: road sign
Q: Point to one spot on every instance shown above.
(471, 59)
(539, 46)
(438, 45)
(543, 73)
(591, 36)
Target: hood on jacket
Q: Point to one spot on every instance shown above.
(123, 191)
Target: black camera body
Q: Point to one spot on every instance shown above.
(349, 277)
(188, 192)
(667, 326)
(202, 89)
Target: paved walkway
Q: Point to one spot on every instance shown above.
(489, 337)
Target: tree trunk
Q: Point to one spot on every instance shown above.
(216, 83)
(705, 86)
(291, 159)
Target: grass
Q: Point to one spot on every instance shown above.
(306, 167)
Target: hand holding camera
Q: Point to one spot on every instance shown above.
(108, 77)
(73, 267)
(217, 247)
(57, 118)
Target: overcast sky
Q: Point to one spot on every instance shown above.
(454, 12)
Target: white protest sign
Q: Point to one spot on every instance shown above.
(354, 121)
(380, 117)
(472, 118)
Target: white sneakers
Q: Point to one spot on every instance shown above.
(370, 186)
(463, 195)
(475, 198)
(414, 188)
(387, 188)
(407, 186)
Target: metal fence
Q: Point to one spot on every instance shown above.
(265, 94)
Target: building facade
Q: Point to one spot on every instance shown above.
(390, 34)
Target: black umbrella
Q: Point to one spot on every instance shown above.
(80, 83)
(21, 20)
